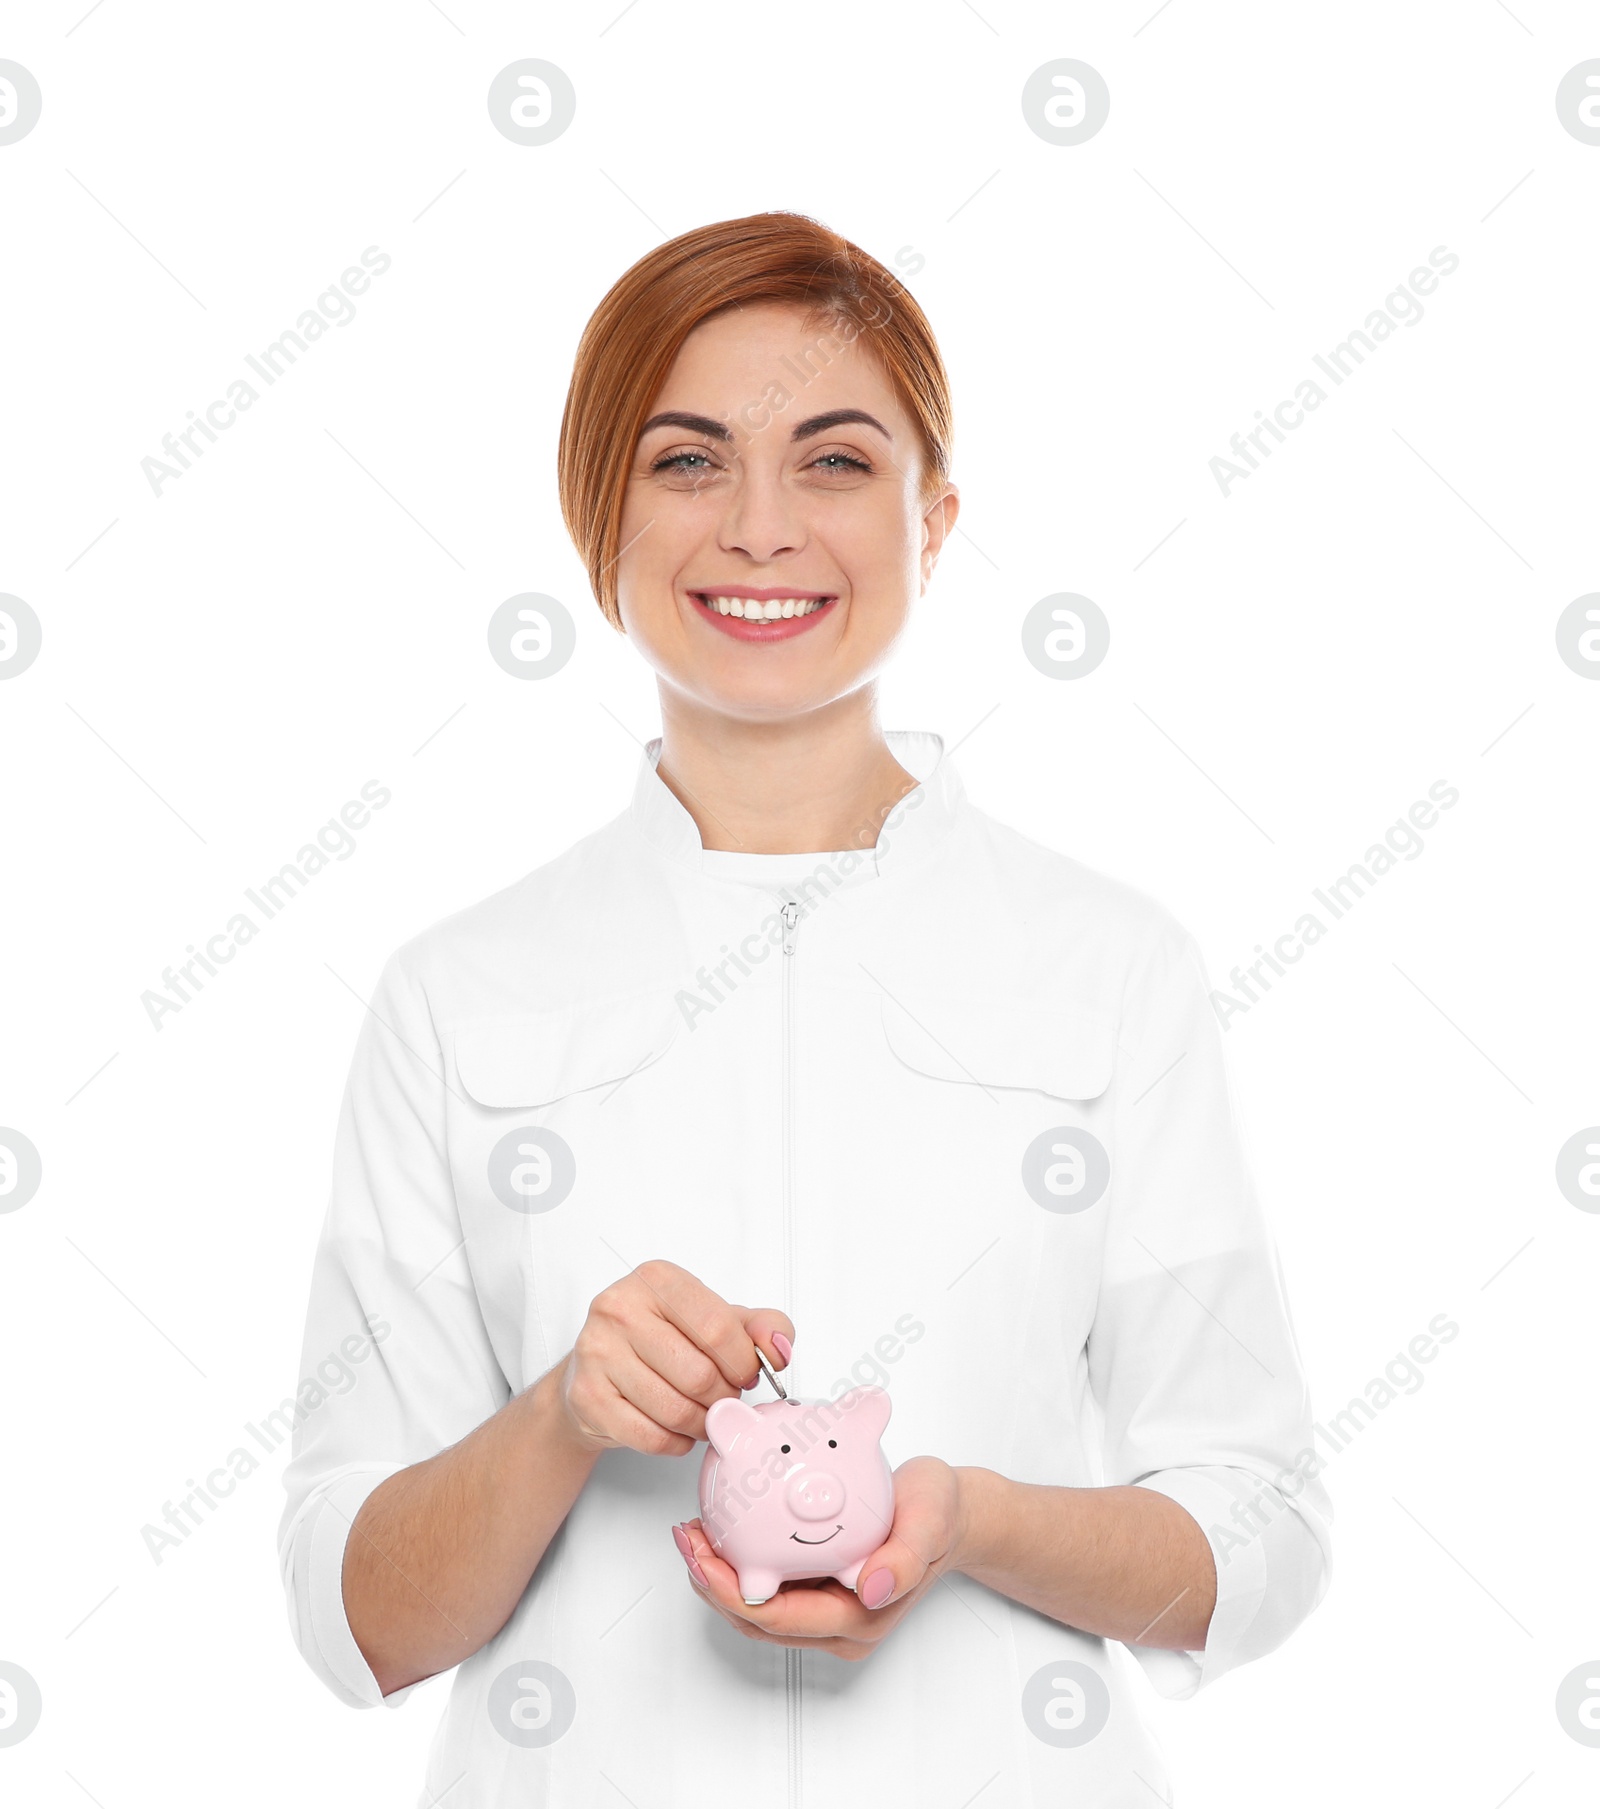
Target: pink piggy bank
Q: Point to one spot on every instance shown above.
(796, 1488)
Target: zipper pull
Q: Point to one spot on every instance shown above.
(791, 915)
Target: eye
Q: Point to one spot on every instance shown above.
(839, 462)
(682, 461)
(833, 1441)
(783, 1447)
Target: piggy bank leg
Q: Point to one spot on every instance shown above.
(758, 1586)
(848, 1575)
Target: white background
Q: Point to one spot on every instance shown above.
(1374, 610)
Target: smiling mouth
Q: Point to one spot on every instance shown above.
(833, 1535)
(776, 607)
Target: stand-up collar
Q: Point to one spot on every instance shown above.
(912, 830)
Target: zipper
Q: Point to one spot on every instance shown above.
(792, 1655)
(791, 919)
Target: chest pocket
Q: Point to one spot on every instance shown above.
(1049, 1045)
(539, 1057)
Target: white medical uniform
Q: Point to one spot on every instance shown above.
(957, 1104)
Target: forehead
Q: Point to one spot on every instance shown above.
(769, 351)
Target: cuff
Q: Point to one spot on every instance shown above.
(1209, 1496)
(313, 1563)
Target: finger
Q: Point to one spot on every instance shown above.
(717, 1578)
(772, 1330)
(769, 1636)
(623, 1423)
(658, 1409)
(876, 1586)
(721, 1581)
(910, 1546)
(813, 1614)
(681, 1539)
(725, 1599)
(704, 1318)
(843, 1648)
(683, 1366)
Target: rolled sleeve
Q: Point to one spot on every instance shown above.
(312, 1556)
(1192, 1354)
(397, 1362)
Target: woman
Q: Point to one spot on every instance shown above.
(800, 1027)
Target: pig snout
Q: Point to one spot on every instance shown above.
(815, 1495)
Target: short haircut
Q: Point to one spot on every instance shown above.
(639, 328)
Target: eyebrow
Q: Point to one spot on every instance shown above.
(803, 430)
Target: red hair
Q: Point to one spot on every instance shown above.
(640, 325)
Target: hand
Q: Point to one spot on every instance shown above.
(657, 1348)
(921, 1545)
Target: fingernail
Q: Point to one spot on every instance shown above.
(782, 1346)
(877, 1589)
(681, 1539)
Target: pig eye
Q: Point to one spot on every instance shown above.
(783, 1447)
(833, 1441)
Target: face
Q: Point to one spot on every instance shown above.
(779, 468)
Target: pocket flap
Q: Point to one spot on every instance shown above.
(541, 1056)
(1067, 1051)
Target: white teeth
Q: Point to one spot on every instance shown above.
(753, 609)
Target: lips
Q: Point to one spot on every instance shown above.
(754, 614)
(833, 1535)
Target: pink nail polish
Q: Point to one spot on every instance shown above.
(877, 1589)
(681, 1539)
(782, 1346)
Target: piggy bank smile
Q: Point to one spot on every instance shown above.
(770, 1465)
(833, 1535)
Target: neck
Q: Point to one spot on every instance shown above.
(804, 784)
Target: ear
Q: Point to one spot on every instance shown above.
(868, 1408)
(728, 1420)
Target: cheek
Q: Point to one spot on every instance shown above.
(639, 587)
(662, 529)
(881, 545)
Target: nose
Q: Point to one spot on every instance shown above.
(760, 520)
(815, 1495)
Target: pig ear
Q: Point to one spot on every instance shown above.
(868, 1408)
(727, 1419)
